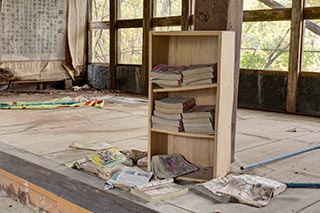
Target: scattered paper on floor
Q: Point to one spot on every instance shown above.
(93, 145)
(247, 189)
(65, 102)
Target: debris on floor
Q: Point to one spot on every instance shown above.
(82, 88)
(66, 102)
(248, 189)
(161, 192)
(130, 177)
(91, 145)
(135, 155)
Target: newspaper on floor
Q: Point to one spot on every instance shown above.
(248, 189)
(93, 145)
(130, 177)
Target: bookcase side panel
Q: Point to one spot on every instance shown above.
(225, 94)
(158, 145)
(195, 150)
(187, 50)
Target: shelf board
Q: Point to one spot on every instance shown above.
(184, 134)
(202, 175)
(178, 89)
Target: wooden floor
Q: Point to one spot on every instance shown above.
(123, 123)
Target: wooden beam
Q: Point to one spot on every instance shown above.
(132, 23)
(166, 21)
(99, 25)
(311, 13)
(89, 33)
(113, 42)
(267, 15)
(185, 15)
(295, 52)
(147, 16)
(223, 15)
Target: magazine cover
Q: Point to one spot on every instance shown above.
(107, 158)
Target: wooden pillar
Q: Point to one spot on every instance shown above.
(295, 59)
(113, 42)
(223, 15)
(185, 15)
(147, 16)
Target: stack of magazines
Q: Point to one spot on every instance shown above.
(167, 113)
(179, 76)
(199, 119)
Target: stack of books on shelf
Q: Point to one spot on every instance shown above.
(167, 113)
(167, 76)
(199, 119)
(199, 75)
(180, 76)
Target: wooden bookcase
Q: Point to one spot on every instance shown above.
(212, 153)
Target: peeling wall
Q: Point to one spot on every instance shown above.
(128, 78)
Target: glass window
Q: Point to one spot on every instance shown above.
(264, 48)
(266, 4)
(311, 46)
(130, 46)
(100, 46)
(164, 8)
(312, 3)
(130, 9)
(168, 28)
(100, 10)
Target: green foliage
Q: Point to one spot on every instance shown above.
(265, 45)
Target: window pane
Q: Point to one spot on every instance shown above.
(169, 28)
(130, 9)
(100, 46)
(265, 48)
(311, 46)
(165, 8)
(268, 4)
(130, 46)
(312, 3)
(100, 10)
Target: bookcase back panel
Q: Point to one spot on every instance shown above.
(202, 97)
(159, 143)
(193, 50)
(159, 50)
(196, 150)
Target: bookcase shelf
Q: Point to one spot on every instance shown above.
(184, 134)
(177, 89)
(212, 153)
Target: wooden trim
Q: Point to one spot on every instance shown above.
(185, 11)
(113, 42)
(131, 23)
(15, 186)
(311, 13)
(167, 21)
(295, 53)
(267, 15)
